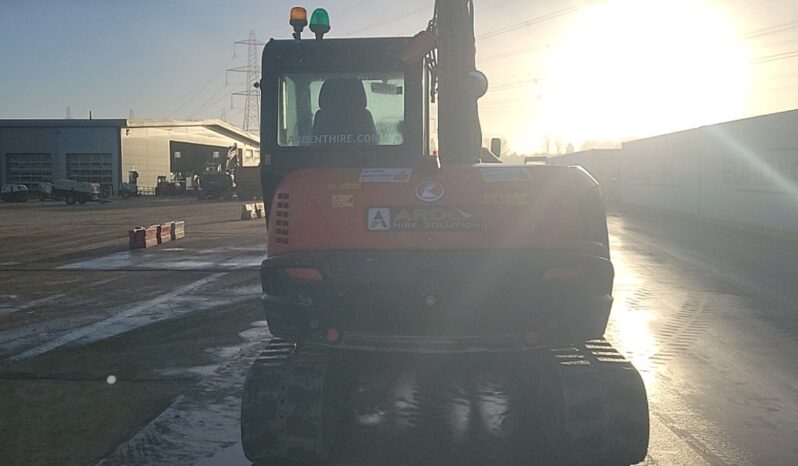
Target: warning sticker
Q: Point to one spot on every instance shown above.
(343, 200)
(493, 174)
(422, 219)
(506, 199)
(385, 175)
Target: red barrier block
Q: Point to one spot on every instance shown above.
(152, 236)
(143, 237)
(164, 233)
(178, 230)
(137, 238)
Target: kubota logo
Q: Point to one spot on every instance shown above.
(429, 191)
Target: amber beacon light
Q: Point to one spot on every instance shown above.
(299, 19)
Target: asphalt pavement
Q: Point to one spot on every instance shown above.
(112, 356)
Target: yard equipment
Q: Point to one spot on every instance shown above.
(76, 191)
(172, 185)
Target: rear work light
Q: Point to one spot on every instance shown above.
(303, 273)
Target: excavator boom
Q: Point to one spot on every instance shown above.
(459, 132)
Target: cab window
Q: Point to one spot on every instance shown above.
(333, 109)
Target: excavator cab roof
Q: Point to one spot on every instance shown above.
(340, 102)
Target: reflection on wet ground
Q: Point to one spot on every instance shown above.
(442, 410)
(216, 259)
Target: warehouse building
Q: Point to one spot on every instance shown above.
(742, 172)
(107, 151)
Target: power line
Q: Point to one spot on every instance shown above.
(775, 57)
(394, 19)
(513, 85)
(388, 21)
(536, 20)
(355, 6)
(496, 6)
(501, 56)
(199, 91)
(771, 30)
(212, 100)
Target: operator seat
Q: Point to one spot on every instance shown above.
(342, 116)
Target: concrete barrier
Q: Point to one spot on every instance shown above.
(143, 237)
(178, 230)
(164, 233)
(151, 236)
(246, 212)
(252, 211)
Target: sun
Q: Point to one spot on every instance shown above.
(629, 68)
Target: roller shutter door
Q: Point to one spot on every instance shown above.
(94, 168)
(29, 168)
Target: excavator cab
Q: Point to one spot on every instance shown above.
(339, 103)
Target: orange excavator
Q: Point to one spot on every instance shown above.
(390, 234)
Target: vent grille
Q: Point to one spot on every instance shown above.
(282, 216)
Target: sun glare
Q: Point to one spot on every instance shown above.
(631, 68)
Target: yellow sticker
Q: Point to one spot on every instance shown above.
(343, 186)
(343, 200)
(506, 199)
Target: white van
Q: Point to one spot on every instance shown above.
(14, 193)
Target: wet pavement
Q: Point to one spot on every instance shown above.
(708, 314)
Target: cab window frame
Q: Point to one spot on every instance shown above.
(287, 58)
(305, 97)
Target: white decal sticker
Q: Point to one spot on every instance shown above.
(492, 174)
(423, 218)
(385, 175)
(343, 200)
(429, 191)
(379, 219)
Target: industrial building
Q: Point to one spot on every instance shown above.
(743, 172)
(106, 151)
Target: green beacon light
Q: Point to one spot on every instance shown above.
(320, 22)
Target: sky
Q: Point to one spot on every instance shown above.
(575, 72)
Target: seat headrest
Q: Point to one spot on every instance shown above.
(338, 92)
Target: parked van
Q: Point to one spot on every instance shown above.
(14, 193)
